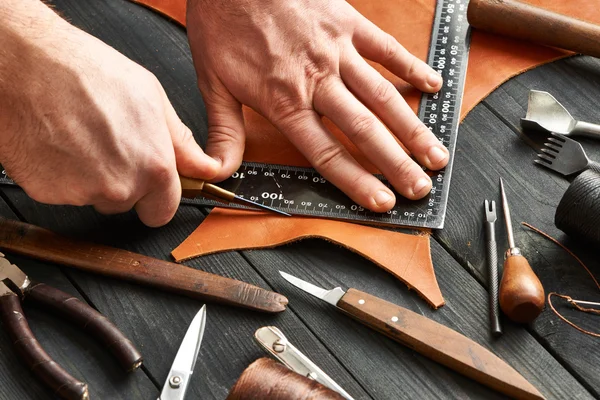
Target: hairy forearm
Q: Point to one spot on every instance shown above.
(29, 32)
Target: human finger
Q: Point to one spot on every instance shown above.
(306, 131)
(334, 101)
(380, 96)
(226, 131)
(189, 156)
(158, 206)
(376, 45)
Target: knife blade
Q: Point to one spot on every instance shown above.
(42, 244)
(431, 339)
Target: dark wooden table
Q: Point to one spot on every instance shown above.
(560, 361)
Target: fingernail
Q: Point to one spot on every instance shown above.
(437, 154)
(382, 197)
(434, 79)
(421, 186)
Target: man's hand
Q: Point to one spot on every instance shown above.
(81, 124)
(294, 61)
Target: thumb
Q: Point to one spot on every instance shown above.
(191, 160)
(226, 131)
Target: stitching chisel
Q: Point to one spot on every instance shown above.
(425, 336)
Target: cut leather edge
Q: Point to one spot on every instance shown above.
(213, 236)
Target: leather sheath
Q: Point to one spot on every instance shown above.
(493, 60)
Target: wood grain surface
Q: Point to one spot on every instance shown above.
(553, 357)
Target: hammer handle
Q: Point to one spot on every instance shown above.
(523, 21)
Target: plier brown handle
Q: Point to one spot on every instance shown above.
(15, 287)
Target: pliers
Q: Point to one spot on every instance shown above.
(15, 288)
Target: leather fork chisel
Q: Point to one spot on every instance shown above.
(492, 260)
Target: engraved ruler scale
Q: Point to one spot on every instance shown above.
(302, 191)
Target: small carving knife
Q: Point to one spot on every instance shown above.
(427, 337)
(276, 344)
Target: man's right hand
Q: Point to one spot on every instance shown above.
(81, 124)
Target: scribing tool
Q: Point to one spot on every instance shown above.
(521, 292)
(197, 187)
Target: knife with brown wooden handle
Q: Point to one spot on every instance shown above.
(427, 337)
(42, 244)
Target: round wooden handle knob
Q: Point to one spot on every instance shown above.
(521, 295)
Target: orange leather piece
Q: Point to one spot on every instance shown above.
(405, 256)
(492, 61)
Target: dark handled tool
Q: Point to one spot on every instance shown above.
(523, 21)
(15, 287)
(492, 259)
(427, 337)
(521, 292)
(35, 242)
(196, 187)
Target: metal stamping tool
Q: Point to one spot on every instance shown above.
(565, 156)
(492, 260)
(545, 113)
(276, 344)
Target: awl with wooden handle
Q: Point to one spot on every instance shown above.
(427, 337)
(35, 242)
(519, 20)
(521, 292)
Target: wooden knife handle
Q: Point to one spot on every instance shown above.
(35, 242)
(34, 356)
(523, 21)
(437, 342)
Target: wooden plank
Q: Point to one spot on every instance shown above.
(487, 149)
(386, 368)
(79, 354)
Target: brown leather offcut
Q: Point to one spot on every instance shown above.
(493, 60)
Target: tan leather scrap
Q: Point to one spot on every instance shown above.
(405, 256)
(492, 61)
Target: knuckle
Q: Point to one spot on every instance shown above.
(315, 71)
(284, 105)
(116, 193)
(362, 128)
(403, 167)
(389, 49)
(160, 171)
(419, 132)
(383, 93)
(412, 69)
(328, 156)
